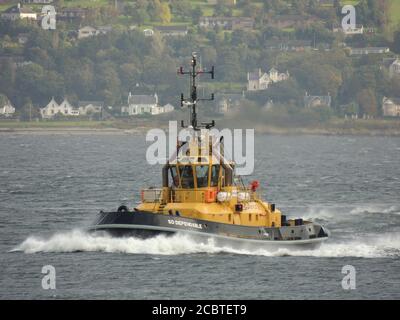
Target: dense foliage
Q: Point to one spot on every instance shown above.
(108, 67)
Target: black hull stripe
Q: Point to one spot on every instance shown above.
(205, 234)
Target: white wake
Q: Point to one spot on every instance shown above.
(386, 245)
(344, 213)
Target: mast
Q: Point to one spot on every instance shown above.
(192, 101)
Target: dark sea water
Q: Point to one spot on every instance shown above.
(52, 186)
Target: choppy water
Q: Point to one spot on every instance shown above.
(51, 187)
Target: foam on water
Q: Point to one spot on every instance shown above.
(372, 246)
(336, 213)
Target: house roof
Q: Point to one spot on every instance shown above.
(94, 103)
(226, 19)
(77, 10)
(383, 49)
(169, 105)
(105, 28)
(4, 100)
(396, 61)
(387, 62)
(171, 28)
(255, 75)
(142, 99)
(394, 100)
(89, 28)
(66, 103)
(19, 9)
(324, 99)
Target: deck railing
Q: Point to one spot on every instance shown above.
(156, 195)
(152, 195)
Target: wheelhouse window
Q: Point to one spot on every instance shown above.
(214, 175)
(187, 179)
(174, 176)
(202, 176)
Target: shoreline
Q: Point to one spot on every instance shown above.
(70, 131)
(258, 130)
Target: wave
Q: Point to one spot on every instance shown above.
(375, 209)
(383, 246)
(346, 212)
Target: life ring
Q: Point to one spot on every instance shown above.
(123, 209)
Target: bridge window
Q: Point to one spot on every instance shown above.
(202, 176)
(214, 175)
(174, 176)
(187, 177)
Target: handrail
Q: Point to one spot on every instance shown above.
(156, 195)
(175, 194)
(152, 195)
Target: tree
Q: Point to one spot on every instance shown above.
(209, 56)
(165, 13)
(7, 77)
(367, 101)
(160, 11)
(28, 112)
(31, 82)
(108, 83)
(299, 6)
(228, 60)
(196, 14)
(396, 42)
(325, 79)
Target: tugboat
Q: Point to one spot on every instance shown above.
(202, 196)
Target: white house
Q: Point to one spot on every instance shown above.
(90, 107)
(394, 68)
(173, 31)
(6, 108)
(168, 108)
(86, 32)
(259, 80)
(358, 29)
(145, 104)
(68, 109)
(142, 104)
(104, 29)
(38, 1)
(369, 50)
(391, 107)
(227, 23)
(22, 38)
(317, 101)
(19, 12)
(228, 101)
(53, 108)
(148, 32)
